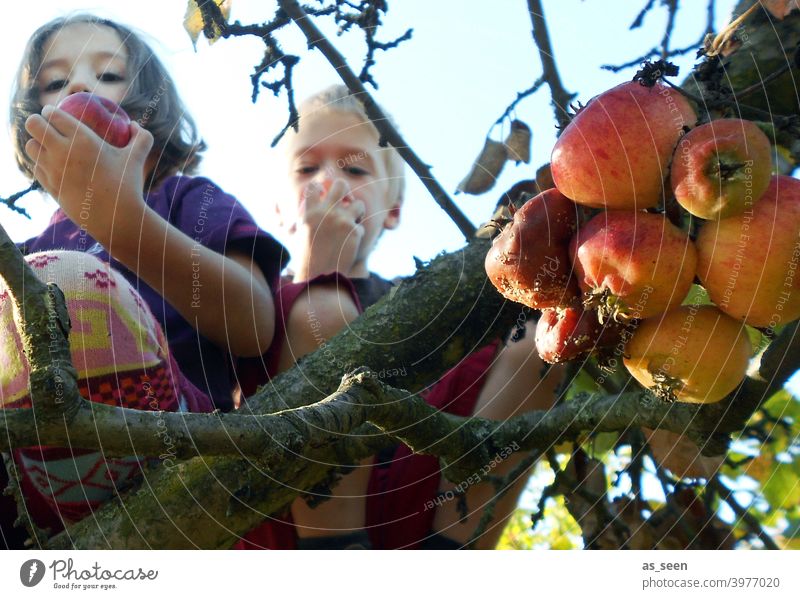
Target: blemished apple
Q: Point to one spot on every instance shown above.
(528, 262)
(693, 354)
(564, 334)
(101, 115)
(721, 168)
(615, 152)
(633, 265)
(749, 263)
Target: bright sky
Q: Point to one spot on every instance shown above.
(445, 88)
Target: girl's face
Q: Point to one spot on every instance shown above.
(334, 145)
(83, 57)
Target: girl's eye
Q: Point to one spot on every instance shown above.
(54, 86)
(306, 170)
(110, 77)
(356, 171)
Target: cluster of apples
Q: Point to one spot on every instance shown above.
(599, 256)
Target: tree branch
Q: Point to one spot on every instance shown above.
(561, 97)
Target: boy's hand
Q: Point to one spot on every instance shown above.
(330, 230)
(97, 185)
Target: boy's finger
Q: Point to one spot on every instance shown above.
(339, 192)
(358, 210)
(312, 196)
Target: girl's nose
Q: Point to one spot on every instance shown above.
(76, 86)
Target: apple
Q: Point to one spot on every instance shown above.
(633, 265)
(563, 334)
(101, 115)
(528, 261)
(748, 263)
(721, 168)
(693, 354)
(615, 152)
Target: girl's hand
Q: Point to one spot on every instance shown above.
(98, 186)
(330, 230)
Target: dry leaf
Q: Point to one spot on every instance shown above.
(780, 8)
(486, 168)
(518, 142)
(680, 455)
(544, 178)
(193, 20)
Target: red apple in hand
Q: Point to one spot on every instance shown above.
(101, 115)
(615, 152)
(721, 168)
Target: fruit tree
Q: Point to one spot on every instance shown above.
(658, 250)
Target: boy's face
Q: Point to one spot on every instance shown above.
(83, 57)
(333, 145)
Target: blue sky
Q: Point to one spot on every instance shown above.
(445, 88)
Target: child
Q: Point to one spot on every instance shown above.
(346, 191)
(151, 256)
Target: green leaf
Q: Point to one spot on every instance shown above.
(782, 487)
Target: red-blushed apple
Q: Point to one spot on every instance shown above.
(101, 115)
(749, 263)
(721, 168)
(563, 334)
(528, 261)
(615, 152)
(633, 265)
(693, 354)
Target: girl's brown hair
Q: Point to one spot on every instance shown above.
(151, 99)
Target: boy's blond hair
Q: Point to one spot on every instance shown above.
(338, 98)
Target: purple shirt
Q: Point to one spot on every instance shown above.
(214, 219)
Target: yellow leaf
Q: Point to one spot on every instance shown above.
(193, 20)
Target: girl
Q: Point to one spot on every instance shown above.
(165, 275)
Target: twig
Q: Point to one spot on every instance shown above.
(501, 486)
(561, 97)
(386, 130)
(743, 514)
(11, 201)
(664, 53)
(520, 96)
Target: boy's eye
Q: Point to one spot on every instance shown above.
(356, 171)
(55, 85)
(306, 170)
(110, 77)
